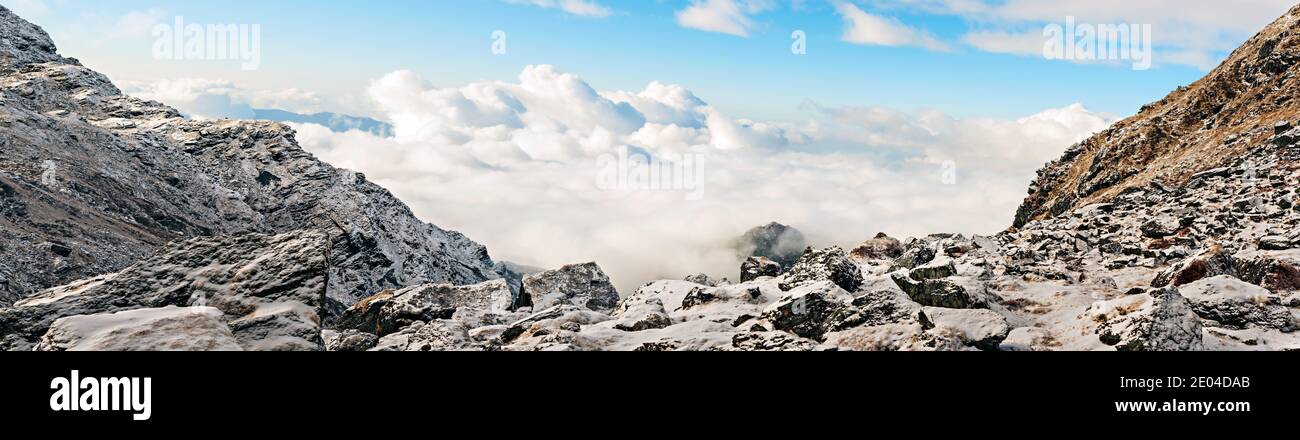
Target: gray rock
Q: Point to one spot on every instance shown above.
(349, 340)
(438, 335)
(390, 311)
(642, 314)
(128, 176)
(758, 267)
(1236, 304)
(270, 289)
(946, 293)
(1162, 320)
(812, 310)
(583, 285)
(830, 264)
(980, 328)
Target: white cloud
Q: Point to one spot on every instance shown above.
(1191, 32)
(865, 28)
(733, 17)
(582, 8)
(205, 98)
(515, 165)
(137, 24)
(1014, 43)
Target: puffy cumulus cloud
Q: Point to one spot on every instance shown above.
(521, 167)
(1189, 32)
(733, 17)
(862, 27)
(205, 98)
(581, 8)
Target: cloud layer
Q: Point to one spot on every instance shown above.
(518, 166)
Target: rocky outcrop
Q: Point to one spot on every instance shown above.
(882, 247)
(92, 181)
(583, 285)
(270, 290)
(758, 267)
(774, 241)
(830, 264)
(1194, 132)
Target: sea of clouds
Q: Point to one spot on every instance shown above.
(517, 165)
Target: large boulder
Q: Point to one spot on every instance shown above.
(813, 310)
(1161, 320)
(165, 329)
(883, 247)
(758, 267)
(390, 311)
(638, 314)
(270, 289)
(980, 328)
(1236, 304)
(952, 293)
(582, 285)
(830, 264)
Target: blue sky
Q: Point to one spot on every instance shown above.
(336, 47)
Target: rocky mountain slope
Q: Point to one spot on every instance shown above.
(1208, 124)
(1151, 236)
(92, 181)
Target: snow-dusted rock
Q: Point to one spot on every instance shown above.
(583, 285)
(270, 289)
(1161, 320)
(770, 341)
(893, 337)
(1236, 304)
(164, 329)
(389, 311)
(939, 268)
(642, 314)
(758, 267)
(122, 177)
(830, 264)
(439, 335)
(812, 310)
(952, 293)
(567, 318)
(980, 328)
(349, 340)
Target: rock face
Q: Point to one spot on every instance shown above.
(270, 289)
(774, 241)
(1196, 131)
(583, 285)
(92, 181)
